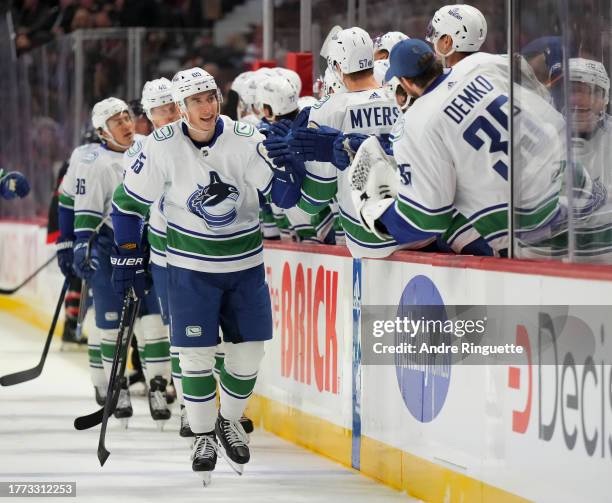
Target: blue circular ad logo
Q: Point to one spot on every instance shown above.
(423, 378)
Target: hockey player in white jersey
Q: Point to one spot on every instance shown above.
(592, 147)
(435, 174)
(160, 109)
(277, 97)
(97, 175)
(385, 43)
(365, 110)
(65, 256)
(210, 169)
(457, 33)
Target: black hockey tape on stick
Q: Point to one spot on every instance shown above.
(11, 291)
(33, 373)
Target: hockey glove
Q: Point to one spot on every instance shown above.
(14, 184)
(85, 264)
(129, 271)
(345, 148)
(65, 256)
(280, 128)
(277, 151)
(314, 144)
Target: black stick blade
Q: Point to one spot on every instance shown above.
(21, 376)
(89, 421)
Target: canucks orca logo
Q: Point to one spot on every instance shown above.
(215, 202)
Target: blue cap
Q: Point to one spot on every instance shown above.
(404, 59)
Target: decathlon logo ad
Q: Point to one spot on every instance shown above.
(561, 395)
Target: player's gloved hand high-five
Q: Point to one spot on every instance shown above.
(314, 144)
(85, 263)
(13, 184)
(129, 269)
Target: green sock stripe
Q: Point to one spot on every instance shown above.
(158, 350)
(176, 365)
(107, 350)
(95, 356)
(219, 362)
(240, 387)
(199, 386)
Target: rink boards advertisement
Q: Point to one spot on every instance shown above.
(503, 432)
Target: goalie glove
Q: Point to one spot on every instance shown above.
(345, 148)
(372, 177)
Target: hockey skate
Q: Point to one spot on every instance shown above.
(204, 456)
(100, 395)
(158, 405)
(70, 341)
(232, 443)
(123, 411)
(185, 430)
(247, 425)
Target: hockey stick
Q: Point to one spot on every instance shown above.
(85, 284)
(128, 316)
(82, 309)
(11, 291)
(33, 373)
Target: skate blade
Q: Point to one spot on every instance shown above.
(206, 478)
(123, 422)
(237, 467)
(160, 423)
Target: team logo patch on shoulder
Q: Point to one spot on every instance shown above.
(163, 133)
(243, 129)
(135, 148)
(91, 157)
(320, 103)
(215, 202)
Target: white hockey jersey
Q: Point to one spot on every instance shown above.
(454, 154)
(365, 112)
(97, 175)
(211, 202)
(68, 187)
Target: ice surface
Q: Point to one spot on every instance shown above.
(38, 443)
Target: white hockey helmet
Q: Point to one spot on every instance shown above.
(291, 76)
(239, 82)
(249, 95)
(279, 94)
(156, 93)
(193, 81)
(463, 23)
(590, 71)
(352, 50)
(331, 81)
(104, 110)
(388, 40)
(306, 101)
(380, 69)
